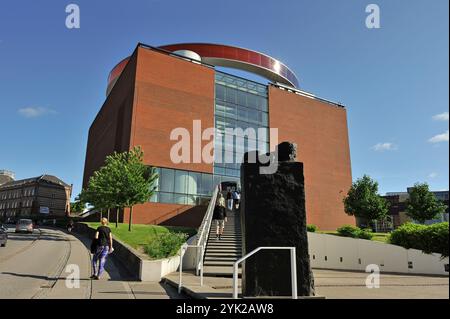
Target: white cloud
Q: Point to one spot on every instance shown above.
(433, 175)
(381, 147)
(441, 117)
(439, 138)
(31, 112)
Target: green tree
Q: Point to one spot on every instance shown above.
(77, 206)
(122, 182)
(363, 200)
(422, 204)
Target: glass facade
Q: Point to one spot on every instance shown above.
(185, 187)
(240, 105)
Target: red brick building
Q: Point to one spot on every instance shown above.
(156, 90)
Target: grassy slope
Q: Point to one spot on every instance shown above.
(143, 234)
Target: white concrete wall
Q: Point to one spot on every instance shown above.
(190, 256)
(356, 254)
(154, 270)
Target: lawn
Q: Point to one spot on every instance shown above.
(142, 235)
(381, 237)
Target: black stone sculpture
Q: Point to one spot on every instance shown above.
(286, 152)
(273, 214)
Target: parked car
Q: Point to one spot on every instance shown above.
(24, 226)
(3, 235)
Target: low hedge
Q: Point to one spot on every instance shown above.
(354, 232)
(165, 245)
(312, 228)
(428, 238)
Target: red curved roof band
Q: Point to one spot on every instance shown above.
(227, 56)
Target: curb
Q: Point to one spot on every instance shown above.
(184, 289)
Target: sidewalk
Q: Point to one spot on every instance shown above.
(114, 284)
(330, 284)
(213, 287)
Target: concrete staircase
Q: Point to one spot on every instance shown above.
(220, 255)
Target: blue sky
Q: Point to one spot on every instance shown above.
(393, 80)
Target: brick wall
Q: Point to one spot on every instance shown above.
(320, 131)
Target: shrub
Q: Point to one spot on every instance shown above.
(365, 234)
(429, 239)
(354, 232)
(348, 231)
(312, 228)
(165, 245)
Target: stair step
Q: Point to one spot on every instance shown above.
(220, 271)
(224, 247)
(224, 242)
(214, 252)
(218, 263)
(214, 259)
(223, 239)
(225, 257)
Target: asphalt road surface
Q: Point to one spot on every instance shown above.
(35, 266)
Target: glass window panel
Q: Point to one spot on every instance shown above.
(220, 92)
(262, 89)
(252, 101)
(263, 147)
(191, 199)
(230, 110)
(229, 79)
(158, 172)
(239, 157)
(240, 82)
(155, 197)
(231, 95)
(251, 86)
(220, 106)
(265, 118)
(228, 157)
(253, 116)
(194, 182)
(263, 106)
(250, 145)
(181, 178)
(242, 114)
(219, 170)
(242, 98)
(230, 123)
(239, 147)
(216, 180)
(180, 199)
(207, 184)
(167, 180)
(263, 134)
(166, 198)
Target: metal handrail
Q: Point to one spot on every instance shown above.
(202, 236)
(293, 269)
(182, 252)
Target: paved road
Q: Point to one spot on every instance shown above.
(34, 266)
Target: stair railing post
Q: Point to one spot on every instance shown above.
(201, 264)
(235, 280)
(182, 251)
(294, 273)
